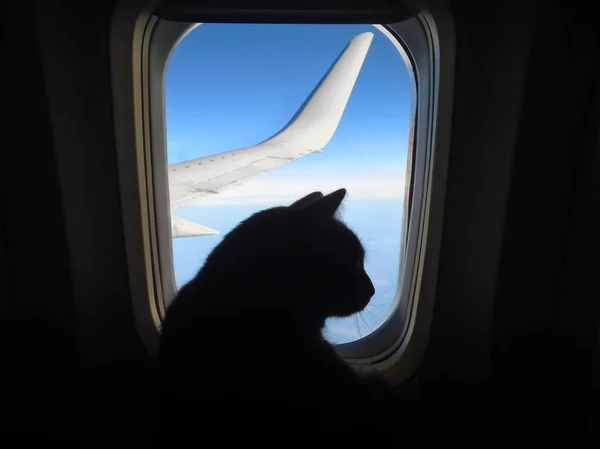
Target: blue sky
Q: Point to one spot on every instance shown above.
(230, 86)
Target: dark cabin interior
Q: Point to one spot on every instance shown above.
(514, 353)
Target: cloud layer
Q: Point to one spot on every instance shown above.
(271, 190)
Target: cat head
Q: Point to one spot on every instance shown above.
(301, 258)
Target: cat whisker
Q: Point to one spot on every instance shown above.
(368, 325)
(373, 314)
(380, 304)
(357, 326)
(381, 294)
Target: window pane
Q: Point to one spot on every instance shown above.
(231, 86)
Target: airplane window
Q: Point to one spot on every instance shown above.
(344, 98)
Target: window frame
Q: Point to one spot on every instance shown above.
(140, 48)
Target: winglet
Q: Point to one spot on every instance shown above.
(317, 119)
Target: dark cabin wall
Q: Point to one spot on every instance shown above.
(76, 68)
(37, 329)
(113, 364)
(516, 313)
(110, 366)
(546, 315)
(579, 310)
(71, 354)
(494, 43)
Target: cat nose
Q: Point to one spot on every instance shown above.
(371, 289)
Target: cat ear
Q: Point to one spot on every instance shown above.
(308, 199)
(327, 205)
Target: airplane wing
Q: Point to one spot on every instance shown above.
(307, 132)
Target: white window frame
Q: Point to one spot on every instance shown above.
(140, 47)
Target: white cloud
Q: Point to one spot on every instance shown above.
(381, 282)
(274, 190)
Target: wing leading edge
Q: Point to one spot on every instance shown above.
(308, 131)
